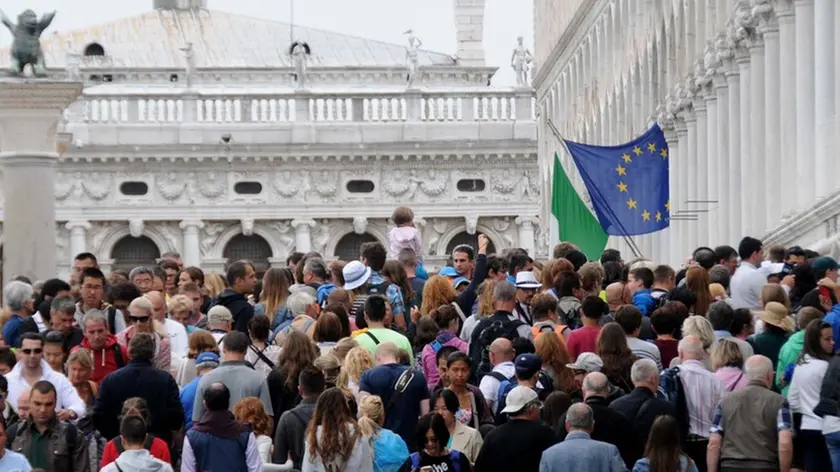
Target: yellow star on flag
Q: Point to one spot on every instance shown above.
(627, 158)
(621, 170)
(658, 216)
(646, 215)
(664, 153)
(622, 187)
(652, 147)
(631, 203)
(668, 206)
(637, 151)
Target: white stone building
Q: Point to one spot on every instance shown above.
(746, 91)
(193, 135)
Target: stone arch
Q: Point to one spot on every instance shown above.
(340, 229)
(142, 251)
(253, 248)
(94, 49)
(107, 246)
(496, 238)
(465, 238)
(347, 247)
(218, 249)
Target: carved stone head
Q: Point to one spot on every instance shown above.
(359, 224)
(135, 227)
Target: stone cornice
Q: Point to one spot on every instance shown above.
(41, 94)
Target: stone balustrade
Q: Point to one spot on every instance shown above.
(304, 107)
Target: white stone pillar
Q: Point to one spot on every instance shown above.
(29, 115)
(837, 74)
(770, 144)
(78, 237)
(787, 105)
(700, 156)
(805, 114)
(730, 198)
(675, 234)
(303, 235)
(711, 158)
(191, 249)
(721, 168)
(526, 233)
(740, 193)
(825, 141)
(689, 179)
(756, 219)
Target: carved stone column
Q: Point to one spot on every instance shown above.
(303, 235)
(78, 237)
(787, 111)
(527, 238)
(824, 83)
(690, 177)
(676, 233)
(192, 244)
(730, 202)
(770, 144)
(805, 103)
(701, 157)
(29, 114)
(756, 219)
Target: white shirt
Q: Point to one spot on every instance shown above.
(489, 385)
(67, 397)
(804, 393)
(179, 343)
(745, 286)
(39, 321)
(252, 456)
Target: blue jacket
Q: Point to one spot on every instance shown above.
(216, 453)
(833, 318)
(644, 301)
(581, 453)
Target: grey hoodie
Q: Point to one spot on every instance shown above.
(137, 461)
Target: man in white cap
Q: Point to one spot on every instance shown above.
(219, 322)
(586, 363)
(519, 443)
(526, 287)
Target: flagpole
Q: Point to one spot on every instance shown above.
(633, 247)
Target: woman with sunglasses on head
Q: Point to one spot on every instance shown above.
(433, 434)
(141, 321)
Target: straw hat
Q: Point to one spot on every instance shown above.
(776, 314)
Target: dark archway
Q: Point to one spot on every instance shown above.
(251, 248)
(130, 252)
(469, 239)
(348, 246)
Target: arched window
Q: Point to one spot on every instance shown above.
(469, 239)
(94, 49)
(252, 248)
(130, 252)
(348, 246)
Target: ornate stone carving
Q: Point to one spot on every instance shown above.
(98, 234)
(520, 61)
(435, 184)
(395, 184)
(210, 236)
(501, 224)
(439, 226)
(530, 186)
(360, 224)
(300, 52)
(61, 238)
(746, 25)
(471, 222)
(170, 233)
(97, 185)
(288, 183)
(502, 183)
(26, 45)
(284, 229)
(212, 185)
(247, 226)
(412, 56)
(542, 244)
(136, 227)
(171, 185)
(320, 236)
(64, 187)
(326, 183)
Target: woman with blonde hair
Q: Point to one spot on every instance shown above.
(141, 321)
(698, 326)
(275, 291)
(551, 348)
(214, 283)
(357, 361)
(697, 282)
(728, 365)
(181, 310)
(79, 367)
(250, 411)
(485, 308)
(333, 439)
(591, 278)
(389, 450)
(199, 341)
(342, 347)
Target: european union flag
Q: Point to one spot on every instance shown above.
(628, 183)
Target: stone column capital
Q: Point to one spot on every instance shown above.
(303, 224)
(83, 225)
(191, 224)
(526, 221)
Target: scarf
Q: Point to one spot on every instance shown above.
(221, 424)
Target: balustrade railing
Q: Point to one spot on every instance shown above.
(381, 107)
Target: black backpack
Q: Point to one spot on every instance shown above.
(480, 348)
(660, 298)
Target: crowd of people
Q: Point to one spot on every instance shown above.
(497, 362)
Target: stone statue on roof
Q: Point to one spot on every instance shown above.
(520, 61)
(26, 47)
(412, 55)
(189, 59)
(300, 53)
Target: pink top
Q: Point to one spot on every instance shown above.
(732, 378)
(429, 356)
(404, 237)
(163, 356)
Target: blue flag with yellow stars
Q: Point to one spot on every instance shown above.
(628, 184)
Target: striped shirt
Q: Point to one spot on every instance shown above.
(703, 391)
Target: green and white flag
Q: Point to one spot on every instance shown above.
(575, 221)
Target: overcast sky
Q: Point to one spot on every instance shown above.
(385, 20)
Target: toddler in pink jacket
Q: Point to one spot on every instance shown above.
(405, 235)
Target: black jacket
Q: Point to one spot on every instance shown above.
(139, 378)
(239, 307)
(642, 408)
(611, 427)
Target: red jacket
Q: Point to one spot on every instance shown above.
(158, 450)
(105, 360)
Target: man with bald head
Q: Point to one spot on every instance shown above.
(178, 339)
(501, 358)
(617, 295)
(581, 450)
(703, 391)
(752, 428)
(611, 426)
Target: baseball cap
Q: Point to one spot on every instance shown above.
(821, 265)
(207, 359)
(218, 314)
(588, 361)
(448, 271)
(518, 398)
(459, 281)
(527, 365)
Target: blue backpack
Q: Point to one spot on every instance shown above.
(454, 457)
(505, 386)
(671, 390)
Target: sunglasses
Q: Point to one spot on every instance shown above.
(138, 319)
(37, 350)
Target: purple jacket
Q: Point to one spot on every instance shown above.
(445, 338)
